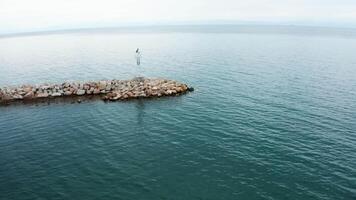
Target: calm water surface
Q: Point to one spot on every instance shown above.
(273, 117)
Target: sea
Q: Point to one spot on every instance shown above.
(272, 116)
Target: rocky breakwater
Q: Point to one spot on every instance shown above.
(111, 90)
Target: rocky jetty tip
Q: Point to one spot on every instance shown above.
(109, 90)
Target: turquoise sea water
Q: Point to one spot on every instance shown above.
(273, 116)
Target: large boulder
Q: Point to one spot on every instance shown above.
(96, 91)
(45, 87)
(86, 87)
(68, 93)
(27, 89)
(42, 95)
(56, 94)
(65, 85)
(6, 97)
(89, 91)
(17, 96)
(102, 85)
(29, 95)
(108, 88)
(110, 96)
(80, 92)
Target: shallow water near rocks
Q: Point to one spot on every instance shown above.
(273, 116)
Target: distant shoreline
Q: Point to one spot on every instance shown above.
(204, 28)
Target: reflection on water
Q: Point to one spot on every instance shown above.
(140, 107)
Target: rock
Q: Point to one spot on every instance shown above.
(184, 87)
(56, 94)
(102, 85)
(80, 92)
(42, 95)
(110, 95)
(117, 97)
(65, 85)
(108, 84)
(45, 87)
(6, 97)
(130, 94)
(190, 89)
(17, 96)
(21, 93)
(108, 88)
(169, 92)
(79, 101)
(27, 89)
(142, 94)
(88, 92)
(29, 95)
(68, 93)
(96, 91)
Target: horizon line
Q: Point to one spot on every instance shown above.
(143, 26)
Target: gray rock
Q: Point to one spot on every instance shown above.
(190, 89)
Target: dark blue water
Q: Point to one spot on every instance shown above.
(273, 116)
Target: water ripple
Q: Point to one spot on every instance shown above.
(272, 117)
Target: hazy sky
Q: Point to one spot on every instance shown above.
(33, 15)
